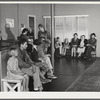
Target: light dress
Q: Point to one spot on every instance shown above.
(12, 64)
(81, 48)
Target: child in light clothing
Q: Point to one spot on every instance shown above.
(13, 70)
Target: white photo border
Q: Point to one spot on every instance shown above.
(50, 95)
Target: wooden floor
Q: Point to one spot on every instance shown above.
(67, 70)
(89, 80)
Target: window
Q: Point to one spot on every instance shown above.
(66, 26)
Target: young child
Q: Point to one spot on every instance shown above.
(13, 70)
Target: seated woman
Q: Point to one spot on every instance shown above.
(58, 47)
(41, 48)
(82, 45)
(66, 46)
(74, 45)
(91, 45)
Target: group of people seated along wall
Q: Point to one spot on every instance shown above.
(30, 58)
(77, 47)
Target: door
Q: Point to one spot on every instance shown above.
(32, 24)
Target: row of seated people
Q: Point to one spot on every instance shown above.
(77, 47)
(30, 59)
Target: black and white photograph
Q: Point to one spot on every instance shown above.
(49, 47)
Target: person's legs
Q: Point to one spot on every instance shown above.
(50, 68)
(72, 51)
(37, 82)
(48, 62)
(36, 77)
(43, 79)
(27, 82)
(88, 52)
(60, 49)
(64, 51)
(23, 83)
(42, 74)
(79, 52)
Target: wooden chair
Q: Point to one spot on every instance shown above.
(11, 85)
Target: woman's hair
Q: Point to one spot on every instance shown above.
(82, 36)
(75, 34)
(66, 39)
(93, 34)
(24, 30)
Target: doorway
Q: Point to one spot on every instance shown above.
(32, 24)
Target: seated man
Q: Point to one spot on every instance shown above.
(27, 65)
(34, 57)
(41, 48)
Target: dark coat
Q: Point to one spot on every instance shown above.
(85, 42)
(92, 42)
(24, 60)
(34, 56)
(75, 42)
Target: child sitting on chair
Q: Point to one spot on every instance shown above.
(13, 70)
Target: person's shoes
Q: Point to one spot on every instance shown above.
(45, 81)
(36, 89)
(52, 77)
(39, 89)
